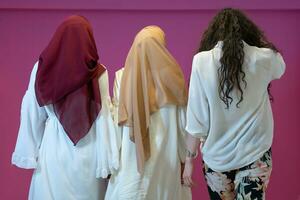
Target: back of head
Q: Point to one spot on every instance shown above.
(67, 77)
(73, 38)
(154, 32)
(232, 27)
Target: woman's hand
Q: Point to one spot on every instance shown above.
(188, 172)
(192, 144)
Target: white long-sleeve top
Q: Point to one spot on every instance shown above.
(236, 137)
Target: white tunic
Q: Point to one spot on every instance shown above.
(236, 137)
(161, 179)
(64, 171)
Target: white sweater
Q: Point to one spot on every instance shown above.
(236, 137)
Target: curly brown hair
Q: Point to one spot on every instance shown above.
(233, 27)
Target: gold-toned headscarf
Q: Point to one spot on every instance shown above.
(151, 79)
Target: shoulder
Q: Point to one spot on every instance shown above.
(34, 72)
(266, 57)
(202, 59)
(119, 73)
(104, 75)
(203, 55)
(33, 76)
(263, 54)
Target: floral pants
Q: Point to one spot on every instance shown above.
(247, 183)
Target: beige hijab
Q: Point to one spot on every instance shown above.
(151, 79)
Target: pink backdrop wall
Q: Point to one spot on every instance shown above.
(27, 27)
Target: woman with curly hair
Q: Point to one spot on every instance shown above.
(229, 112)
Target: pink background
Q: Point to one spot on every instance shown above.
(27, 26)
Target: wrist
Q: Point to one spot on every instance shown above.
(189, 160)
(190, 154)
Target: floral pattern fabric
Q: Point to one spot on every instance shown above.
(247, 183)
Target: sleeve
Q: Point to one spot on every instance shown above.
(197, 108)
(116, 90)
(33, 119)
(181, 117)
(107, 137)
(278, 66)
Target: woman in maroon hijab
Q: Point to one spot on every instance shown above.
(66, 132)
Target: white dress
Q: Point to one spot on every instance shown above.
(161, 179)
(64, 171)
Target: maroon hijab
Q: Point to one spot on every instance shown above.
(67, 77)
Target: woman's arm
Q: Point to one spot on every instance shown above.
(31, 131)
(192, 145)
(198, 120)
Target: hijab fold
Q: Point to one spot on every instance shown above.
(67, 77)
(151, 79)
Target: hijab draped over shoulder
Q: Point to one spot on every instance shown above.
(67, 77)
(151, 79)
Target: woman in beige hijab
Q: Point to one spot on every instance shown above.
(151, 96)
